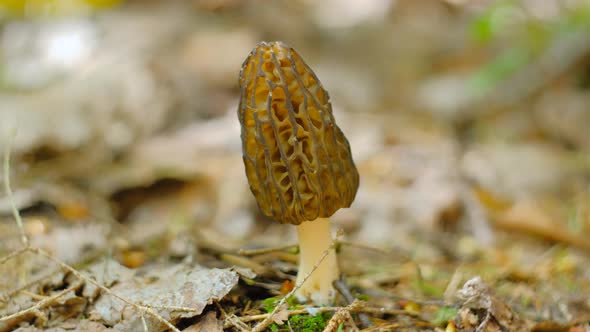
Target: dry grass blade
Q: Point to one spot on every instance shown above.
(27, 285)
(8, 189)
(543, 231)
(262, 251)
(232, 320)
(41, 304)
(342, 288)
(356, 307)
(12, 255)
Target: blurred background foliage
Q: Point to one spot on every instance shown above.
(10, 9)
(527, 32)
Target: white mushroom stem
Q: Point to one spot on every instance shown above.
(314, 239)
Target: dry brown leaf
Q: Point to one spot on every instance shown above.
(281, 315)
(563, 113)
(166, 287)
(527, 218)
(105, 273)
(208, 323)
(70, 243)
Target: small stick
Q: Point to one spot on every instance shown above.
(356, 307)
(338, 318)
(168, 307)
(232, 320)
(13, 254)
(238, 323)
(343, 289)
(27, 285)
(452, 286)
(262, 251)
(244, 262)
(476, 215)
(385, 252)
(388, 327)
(385, 294)
(351, 320)
(34, 296)
(144, 323)
(35, 308)
(541, 230)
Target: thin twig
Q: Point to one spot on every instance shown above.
(365, 247)
(343, 315)
(453, 285)
(257, 268)
(235, 321)
(27, 285)
(262, 251)
(384, 294)
(232, 320)
(19, 222)
(388, 327)
(144, 323)
(41, 303)
(356, 307)
(476, 213)
(141, 309)
(351, 320)
(338, 318)
(13, 254)
(268, 320)
(342, 288)
(168, 307)
(546, 231)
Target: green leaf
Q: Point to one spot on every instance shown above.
(444, 315)
(484, 27)
(269, 304)
(501, 68)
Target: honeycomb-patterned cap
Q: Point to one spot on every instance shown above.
(298, 162)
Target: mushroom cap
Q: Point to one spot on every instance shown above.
(297, 160)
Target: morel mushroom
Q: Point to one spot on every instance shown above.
(297, 160)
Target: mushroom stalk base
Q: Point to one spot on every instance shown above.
(314, 239)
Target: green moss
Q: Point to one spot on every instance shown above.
(299, 323)
(363, 297)
(269, 304)
(307, 323)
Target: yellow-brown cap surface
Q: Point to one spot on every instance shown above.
(298, 162)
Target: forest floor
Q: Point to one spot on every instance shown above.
(127, 207)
